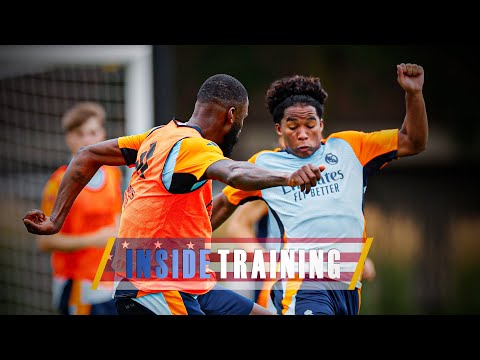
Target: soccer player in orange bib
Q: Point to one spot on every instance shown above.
(93, 218)
(169, 197)
(331, 215)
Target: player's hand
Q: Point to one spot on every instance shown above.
(369, 271)
(306, 177)
(37, 222)
(410, 77)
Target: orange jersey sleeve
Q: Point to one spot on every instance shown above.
(235, 196)
(130, 144)
(196, 155)
(370, 146)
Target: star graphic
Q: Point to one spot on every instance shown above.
(110, 257)
(125, 244)
(158, 245)
(190, 245)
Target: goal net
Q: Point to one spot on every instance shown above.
(37, 85)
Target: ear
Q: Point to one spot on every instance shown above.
(231, 115)
(321, 125)
(278, 129)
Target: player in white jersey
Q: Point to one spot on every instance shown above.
(330, 215)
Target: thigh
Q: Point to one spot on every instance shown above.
(308, 301)
(293, 297)
(314, 303)
(222, 301)
(327, 302)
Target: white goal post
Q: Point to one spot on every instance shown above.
(137, 59)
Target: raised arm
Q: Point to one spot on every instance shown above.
(413, 136)
(79, 172)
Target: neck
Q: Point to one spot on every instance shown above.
(208, 117)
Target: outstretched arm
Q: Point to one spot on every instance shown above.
(413, 136)
(79, 172)
(244, 175)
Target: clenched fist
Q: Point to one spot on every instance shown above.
(306, 177)
(410, 77)
(37, 222)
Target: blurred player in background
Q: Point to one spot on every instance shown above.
(170, 196)
(78, 247)
(334, 208)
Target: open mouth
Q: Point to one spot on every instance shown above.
(303, 148)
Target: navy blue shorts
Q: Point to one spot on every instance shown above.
(218, 301)
(221, 301)
(316, 302)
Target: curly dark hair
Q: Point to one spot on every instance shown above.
(291, 90)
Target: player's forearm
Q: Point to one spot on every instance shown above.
(415, 125)
(246, 176)
(222, 209)
(79, 172)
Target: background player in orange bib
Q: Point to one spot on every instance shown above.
(93, 218)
